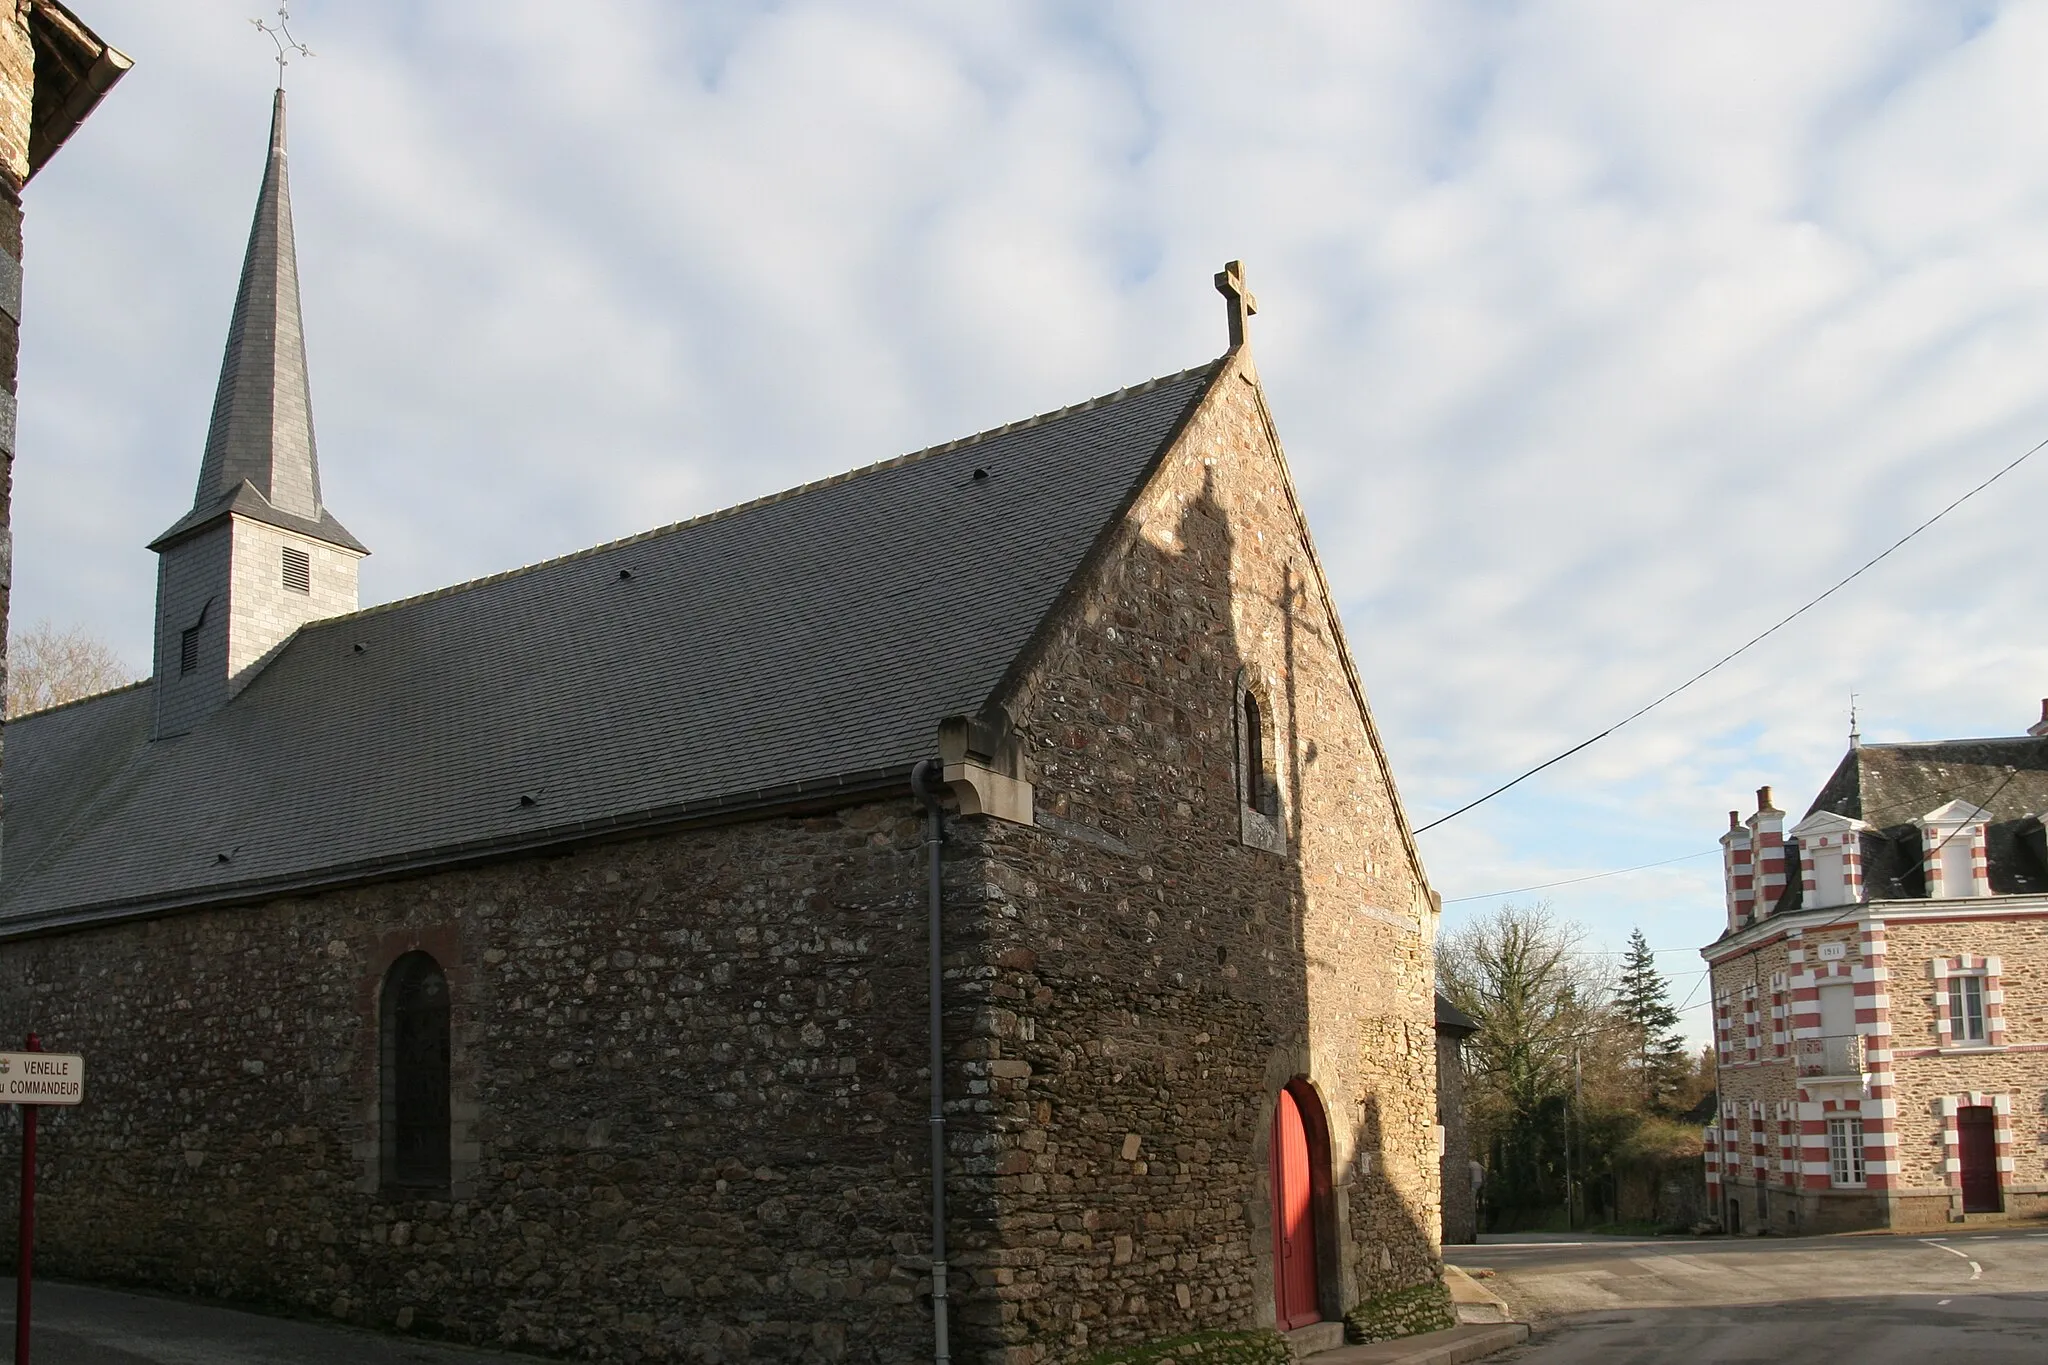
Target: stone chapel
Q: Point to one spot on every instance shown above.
(547, 961)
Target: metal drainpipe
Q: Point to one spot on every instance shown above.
(924, 783)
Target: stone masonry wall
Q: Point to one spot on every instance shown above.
(1460, 1223)
(1154, 980)
(17, 102)
(689, 1070)
(261, 612)
(1926, 1075)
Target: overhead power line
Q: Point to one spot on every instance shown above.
(1741, 649)
(1589, 877)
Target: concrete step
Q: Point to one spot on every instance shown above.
(1315, 1339)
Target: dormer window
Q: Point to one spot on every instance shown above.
(1953, 851)
(298, 570)
(1830, 859)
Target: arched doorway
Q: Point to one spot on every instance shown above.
(1299, 1142)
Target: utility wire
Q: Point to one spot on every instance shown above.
(1589, 877)
(1741, 649)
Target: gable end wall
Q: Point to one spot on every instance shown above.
(1154, 980)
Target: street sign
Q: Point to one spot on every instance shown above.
(41, 1078)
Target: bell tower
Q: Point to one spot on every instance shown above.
(259, 554)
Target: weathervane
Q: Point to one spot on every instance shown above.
(280, 33)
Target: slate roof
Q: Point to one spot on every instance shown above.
(261, 460)
(1891, 785)
(803, 643)
(1450, 1019)
(74, 69)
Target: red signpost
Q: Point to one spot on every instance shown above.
(32, 1079)
(24, 1264)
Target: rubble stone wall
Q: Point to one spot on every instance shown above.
(688, 1090)
(1156, 977)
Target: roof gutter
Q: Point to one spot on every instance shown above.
(102, 63)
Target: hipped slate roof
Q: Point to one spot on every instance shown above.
(805, 643)
(261, 460)
(1891, 785)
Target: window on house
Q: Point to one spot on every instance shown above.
(413, 1020)
(1965, 1009)
(1845, 1151)
(1958, 872)
(188, 650)
(298, 570)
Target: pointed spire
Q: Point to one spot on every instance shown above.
(261, 434)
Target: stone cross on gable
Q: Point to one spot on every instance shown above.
(1237, 299)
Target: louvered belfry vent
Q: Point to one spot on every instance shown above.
(188, 651)
(298, 570)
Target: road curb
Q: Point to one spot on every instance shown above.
(1473, 1301)
(1452, 1346)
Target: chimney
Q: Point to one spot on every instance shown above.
(2040, 727)
(1767, 848)
(1738, 872)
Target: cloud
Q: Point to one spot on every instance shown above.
(1599, 334)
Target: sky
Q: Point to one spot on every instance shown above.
(1599, 335)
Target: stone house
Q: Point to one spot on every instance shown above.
(546, 960)
(53, 73)
(1459, 1202)
(1880, 1021)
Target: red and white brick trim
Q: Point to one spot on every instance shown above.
(1939, 831)
(1969, 964)
(1738, 873)
(2000, 1105)
(1724, 1046)
(1781, 1015)
(1880, 1108)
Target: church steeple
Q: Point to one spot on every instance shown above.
(261, 434)
(258, 554)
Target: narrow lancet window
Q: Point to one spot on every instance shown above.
(414, 1029)
(1254, 754)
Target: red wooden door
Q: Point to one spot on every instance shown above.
(1294, 1231)
(1978, 1148)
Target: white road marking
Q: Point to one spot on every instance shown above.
(1976, 1271)
(1939, 1302)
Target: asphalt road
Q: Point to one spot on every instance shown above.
(75, 1325)
(1975, 1295)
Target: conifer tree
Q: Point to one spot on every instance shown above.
(1643, 1002)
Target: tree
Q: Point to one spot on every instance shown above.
(1518, 973)
(1642, 1004)
(47, 667)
